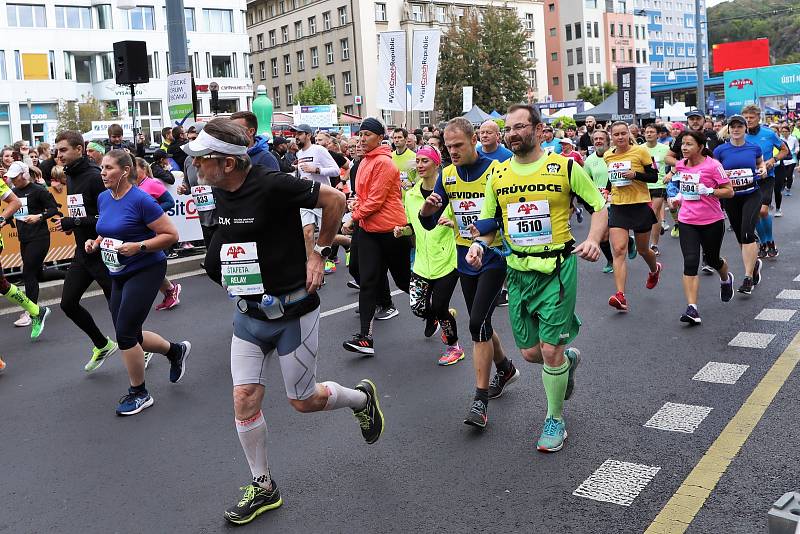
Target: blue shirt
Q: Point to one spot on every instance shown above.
(501, 154)
(126, 219)
(767, 140)
(739, 157)
(555, 143)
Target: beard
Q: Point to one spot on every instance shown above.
(527, 144)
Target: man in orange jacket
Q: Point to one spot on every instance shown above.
(377, 209)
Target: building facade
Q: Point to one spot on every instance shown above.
(294, 41)
(56, 52)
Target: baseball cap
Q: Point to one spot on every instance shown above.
(694, 113)
(302, 128)
(737, 118)
(566, 141)
(205, 144)
(158, 154)
(279, 141)
(16, 169)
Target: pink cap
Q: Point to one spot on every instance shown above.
(678, 126)
(430, 153)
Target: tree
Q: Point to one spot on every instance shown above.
(318, 92)
(487, 55)
(79, 115)
(595, 94)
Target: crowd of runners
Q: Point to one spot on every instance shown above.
(490, 209)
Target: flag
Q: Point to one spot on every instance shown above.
(392, 71)
(424, 66)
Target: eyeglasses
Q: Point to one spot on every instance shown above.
(516, 128)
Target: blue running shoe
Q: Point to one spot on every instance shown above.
(177, 368)
(574, 357)
(134, 402)
(553, 435)
(631, 248)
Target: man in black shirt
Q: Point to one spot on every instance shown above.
(585, 144)
(280, 146)
(694, 122)
(258, 255)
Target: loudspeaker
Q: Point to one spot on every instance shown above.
(691, 100)
(130, 62)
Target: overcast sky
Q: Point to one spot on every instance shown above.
(711, 3)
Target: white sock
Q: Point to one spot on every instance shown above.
(253, 437)
(342, 397)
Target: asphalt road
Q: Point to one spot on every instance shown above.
(70, 465)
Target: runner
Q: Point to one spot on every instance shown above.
(597, 169)
(277, 303)
(84, 185)
(434, 276)
(549, 143)
(658, 152)
(743, 164)
(699, 184)
(404, 158)
(259, 147)
(630, 170)
(533, 193)
(491, 147)
(462, 186)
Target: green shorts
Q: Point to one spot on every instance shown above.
(534, 308)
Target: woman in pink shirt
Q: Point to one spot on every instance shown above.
(697, 185)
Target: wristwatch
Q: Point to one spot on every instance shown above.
(142, 247)
(323, 251)
(2, 220)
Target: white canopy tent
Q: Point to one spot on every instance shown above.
(673, 112)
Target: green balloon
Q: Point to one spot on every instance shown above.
(262, 108)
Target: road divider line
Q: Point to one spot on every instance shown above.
(689, 498)
(346, 307)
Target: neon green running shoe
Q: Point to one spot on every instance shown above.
(37, 322)
(254, 502)
(553, 435)
(675, 231)
(99, 356)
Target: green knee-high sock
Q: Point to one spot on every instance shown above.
(555, 385)
(16, 296)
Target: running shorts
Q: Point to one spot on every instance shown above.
(536, 312)
(767, 187)
(660, 192)
(311, 216)
(637, 217)
(294, 340)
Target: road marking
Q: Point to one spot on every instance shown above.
(789, 294)
(616, 482)
(680, 511)
(346, 307)
(751, 340)
(797, 278)
(770, 314)
(721, 373)
(678, 417)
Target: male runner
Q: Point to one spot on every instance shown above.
(533, 192)
(404, 159)
(597, 169)
(549, 144)
(258, 255)
(489, 134)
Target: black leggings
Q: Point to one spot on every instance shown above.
(33, 254)
(743, 214)
(208, 233)
(783, 176)
(430, 299)
(385, 296)
(82, 272)
(377, 253)
(480, 293)
(707, 236)
(132, 294)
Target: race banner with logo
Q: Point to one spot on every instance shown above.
(392, 71)
(424, 67)
(184, 215)
(179, 96)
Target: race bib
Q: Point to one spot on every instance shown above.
(109, 254)
(22, 212)
(467, 212)
(616, 170)
(690, 186)
(548, 149)
(203, 198)
(529, 223)
(75, 206)
(741, 179)
(405, 183)
(241, 272)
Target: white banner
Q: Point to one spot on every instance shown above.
(466, 95)
(179, 96)
(184, 215)
(392, 71)
(424, 66)
(643, 96)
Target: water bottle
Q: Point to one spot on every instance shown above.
(271, 306)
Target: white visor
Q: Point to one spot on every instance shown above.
(206, 144)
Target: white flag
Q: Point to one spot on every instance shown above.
(424, 66)
(392, 71)
(466, 98)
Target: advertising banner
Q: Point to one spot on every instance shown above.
(746, 86)
(184, 215)
(424, 67)
(391, 71)
(642, 90)
(322, 116)
(179, 96)
(466, 98)
(626, 92)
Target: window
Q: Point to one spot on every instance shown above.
(591, 4)
(577, 30)
(276, 96)
(530, 50)
(424, 117)
(285, 33)
(614, 55)
(51, 56)
(556, 80)
(596, 29)
(301, 60)
(314, 57)
(260, 41)
(349, 109)
(274, 67)
(621, 31)
(644, 56)
(332, 82)
(591, 55)
(591, 78)
(152, 65)
(107, 63)
(553, 32)
(141, 18)
(312, 25)
(282, 7)
(218, 20)
(571, 82)
(272, 40)
(380, 12)
(630, 56)
(342, 15)
(570, 61)
(579, 56)
(529, 21)
(597, 54)
(262, 70)
(228, 105)
(289, 95)
(611, 29)
(67, 65)
(551, 8)
(638, 57)
(188, 17)
(221, 67)
(386, 115)
(568, 29)
(345, 44)
(416, 12)
(26, 16)
(271, 9)
(326, 20)
(328, 53)
(73, 17)
(581, 81)
(630, 31)
(348, 84)
(104, 18)
(441, 15)
(298, 30)
(287, 64)
(553, 56)
(300, 85)
(588, 30)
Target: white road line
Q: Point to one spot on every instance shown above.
(721, 373)
(617, 482)
(789, 294)
(346, 307)
(678, 417)
(797, 278)
(752, 340)
(770, 314)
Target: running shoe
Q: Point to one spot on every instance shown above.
(574, 357)
(177, 368)
(171, 299)
(691, 316)
(24, 320)
(37, 322)
(554, 433)
(772, 251)
(431, 327)
(500, 380)
(788, 192)
(579, 215)
(631, 248)
(187, 246)
(675, 232)
(652, 278)
(609, 268)
(336, 260)
(757, 272)
(618, 301)
(762, 250)
(452, 354)
(330, 267)
(655, 250)
(383, 314)
(707, 268)
(477, 415)
(134, 402)
(778, 212)
(664, 227)
(370, 419)
(502, 299)
(360, 343)
(254, 502)
(352, 284)
(747, 286)
(347, 258)
(726, 289)
(2, 366)
(147, 357)
(99, 356)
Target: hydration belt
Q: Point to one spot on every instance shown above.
(560, 256)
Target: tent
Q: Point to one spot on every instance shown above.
(769, 110)
(476, 115)
(673, 112)
(495, 115)
(607, 111)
